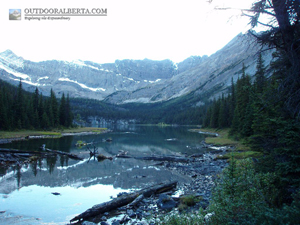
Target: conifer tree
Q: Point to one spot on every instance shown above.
(41, 108)
(54, 108)
(69, 115)
(223, 113)
(206, 121)
(45, 124)
(260, 80)
(62, 110)
(214, 119)
(231, 102)
(3, 110)
(247, 130)
(35, 99)
(20, 107)
(49, 111)
(284, 36)
(242, 99)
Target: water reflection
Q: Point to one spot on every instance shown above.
(139, 141)
(67, 175)
(60, 208)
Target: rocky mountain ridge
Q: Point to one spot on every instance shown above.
(143, 81)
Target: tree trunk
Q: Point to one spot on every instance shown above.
(123, 200)
(39, 153)
(72, 156)
(159, 158)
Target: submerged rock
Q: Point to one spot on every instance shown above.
(88, 223)
(165, 202)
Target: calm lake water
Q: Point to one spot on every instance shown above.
(27, 191)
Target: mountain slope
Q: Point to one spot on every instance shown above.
(212, 75)
(136, 81)
(84, 78)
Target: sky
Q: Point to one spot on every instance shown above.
(132, 29)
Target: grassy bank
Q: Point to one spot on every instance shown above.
(241, 150)
(55, 133)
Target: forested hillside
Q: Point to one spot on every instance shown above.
(181, 110)
(258, 113)
(23, 110)
(265, 114)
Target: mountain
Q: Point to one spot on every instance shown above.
(211, 76)
(84, 78)
(139, 81)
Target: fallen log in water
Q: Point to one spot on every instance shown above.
(165, 158)
(14, 154)
(123, 200)
(70, 155)
(7, 150)
(159, 158)
(17, 156)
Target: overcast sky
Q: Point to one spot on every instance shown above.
(132, 29)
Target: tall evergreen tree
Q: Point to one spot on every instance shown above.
(3, 111)
(20, 107)
(62, 111)
(41, 108)
(45, 123)
(69, 115)
(223, 113)
(35, 99)
(206, 121)
(49, 113)
(284, 36)
(243, 99)
(231, 102)
(214, 119)
(54, 108)
(6, 115)
(260, 79)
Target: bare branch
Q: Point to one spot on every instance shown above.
(260, 11)
(264, 24)
(267, 25)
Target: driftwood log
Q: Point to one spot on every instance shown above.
(14, 155)
(124, 200)
(158, 158)
(70, 155)
(16, 151)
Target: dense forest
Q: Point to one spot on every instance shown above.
(264, 113)
(181, 110)
(23, 110)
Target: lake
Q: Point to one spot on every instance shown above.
(57, 188)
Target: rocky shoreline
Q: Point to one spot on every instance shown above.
(202, 168)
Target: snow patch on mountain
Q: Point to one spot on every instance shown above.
(93, 67)
(82, 85)
(157, 80)
(43, 78)
(13, 72)
(28, 82)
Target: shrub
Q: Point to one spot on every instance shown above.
(242, 196)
